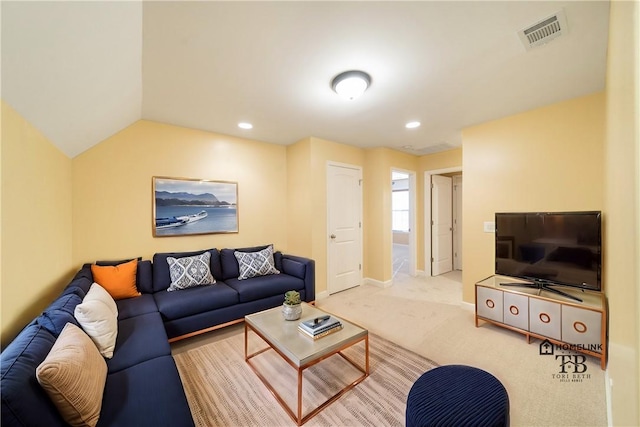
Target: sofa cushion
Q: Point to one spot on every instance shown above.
(190, 271)
(79, 285)
(229, 262)
(84, 272)
(265, 286)
(119, 280)
(140, 338)
(147, 394)
(21, 392)
(254, 264)
(161, 275)
(175, 305)
(73, 374)
(98, 316)
(293, 268)
(59, 313)
(137, 306)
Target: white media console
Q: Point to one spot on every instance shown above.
(545, 315)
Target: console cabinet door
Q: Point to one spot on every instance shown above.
(584, 327)
(489, 303)
(516, 310)
(544, 318)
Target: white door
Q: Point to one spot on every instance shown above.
(441, 225)
(344, 239)
(457, 222)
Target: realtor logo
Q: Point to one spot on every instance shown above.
(572, 367)
(546, 348)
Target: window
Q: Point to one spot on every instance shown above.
(400, 210)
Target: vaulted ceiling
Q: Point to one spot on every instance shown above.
(82, 71)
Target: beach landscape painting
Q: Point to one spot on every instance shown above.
(184, 206)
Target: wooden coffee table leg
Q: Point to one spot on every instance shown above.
(299, 420)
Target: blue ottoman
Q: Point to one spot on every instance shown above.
(457, 395)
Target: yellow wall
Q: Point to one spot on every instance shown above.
(621, 270)
(443, 160)
(300, 210)
(379, 162)
(548, 159)
(36, 222)
(112, 195)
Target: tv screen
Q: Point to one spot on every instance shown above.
(550, 247)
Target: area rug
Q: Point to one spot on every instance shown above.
(223, 390)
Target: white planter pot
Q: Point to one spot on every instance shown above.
(291, 312)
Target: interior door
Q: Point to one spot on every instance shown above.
(344, 240)
(441, 225)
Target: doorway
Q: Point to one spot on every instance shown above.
(443, 221)
(403, 222)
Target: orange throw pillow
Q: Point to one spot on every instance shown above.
(118, 280)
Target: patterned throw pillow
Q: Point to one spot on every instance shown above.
(190, 271)
(253, 264)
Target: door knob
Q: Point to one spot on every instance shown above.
(333, 236)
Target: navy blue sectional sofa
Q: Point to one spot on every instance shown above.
(143, 387)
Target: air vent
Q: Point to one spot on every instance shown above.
(544, 31)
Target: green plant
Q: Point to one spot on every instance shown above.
(292, 298)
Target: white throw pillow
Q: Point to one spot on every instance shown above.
(253, 264)
(99, 293)
(98, 316)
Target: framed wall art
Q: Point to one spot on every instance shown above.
(184, 206)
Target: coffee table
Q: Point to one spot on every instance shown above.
(302, 352)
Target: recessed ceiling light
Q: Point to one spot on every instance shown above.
(245, 125)
(412, 125)
(351, 84)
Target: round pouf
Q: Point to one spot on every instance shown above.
(457, 395)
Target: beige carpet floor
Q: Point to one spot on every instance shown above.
(426, 316)
(222, 390)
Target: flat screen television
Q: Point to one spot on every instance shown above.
(550, 248)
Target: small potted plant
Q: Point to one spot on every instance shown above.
(292, 307)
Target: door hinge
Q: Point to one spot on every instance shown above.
(360, 182)
(359, 266)
(360, 224)
(432, 259)
(432, 185)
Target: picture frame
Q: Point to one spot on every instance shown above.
(188, 206)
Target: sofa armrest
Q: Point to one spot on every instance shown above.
(302, 268)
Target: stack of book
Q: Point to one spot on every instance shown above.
(320, 326)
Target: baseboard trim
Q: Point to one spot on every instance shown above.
(607, 396)
(377, 283)
(322, 295)
(468, 306)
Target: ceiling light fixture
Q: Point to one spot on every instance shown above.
(245, 125)
(351, 84)
(412, 125)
